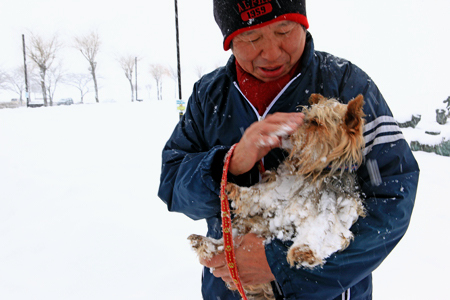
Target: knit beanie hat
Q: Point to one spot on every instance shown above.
(237, 16)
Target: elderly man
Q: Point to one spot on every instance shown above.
(272, 72)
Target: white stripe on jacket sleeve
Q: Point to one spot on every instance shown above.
(382, 130)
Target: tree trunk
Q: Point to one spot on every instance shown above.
(43, 88)
(157, 90)
(132, 89)
(94, 78)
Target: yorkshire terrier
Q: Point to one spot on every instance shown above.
(312, 199)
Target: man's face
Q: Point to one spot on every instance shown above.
(270, 52)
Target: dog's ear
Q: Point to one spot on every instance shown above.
(353, 117)
(315, 98)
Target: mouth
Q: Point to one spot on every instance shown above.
(272, 72)
(271, 69)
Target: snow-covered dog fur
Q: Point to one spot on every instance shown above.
(312, 199)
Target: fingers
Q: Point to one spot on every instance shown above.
(280, 123)
(216, 261)
(217, 265)
(280, 117)
(251, 262)
(261, 137)
(276, 125)
(222, 272)
(268, 132)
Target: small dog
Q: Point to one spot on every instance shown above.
(312, 199)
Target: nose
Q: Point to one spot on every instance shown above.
(271, 49)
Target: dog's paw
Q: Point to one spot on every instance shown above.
(303, 256)
(205, 247)
(196, 241)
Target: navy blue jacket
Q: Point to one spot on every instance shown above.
(217, 114)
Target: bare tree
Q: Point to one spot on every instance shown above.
(81, 82)
(34, 82)
(158, 71)
(89, 46)
(199, 71)
(55, 76)
(149, 87)
(43, 53)
(173, 74)
(3, 80)
(127, 63)
(15, 82)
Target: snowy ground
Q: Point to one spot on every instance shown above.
(80, 219)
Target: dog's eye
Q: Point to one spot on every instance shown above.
(314, 122)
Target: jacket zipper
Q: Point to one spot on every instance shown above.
(271, 103)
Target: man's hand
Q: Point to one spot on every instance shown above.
(260, 138)
(251, 262)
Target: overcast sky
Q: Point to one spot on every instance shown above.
(403, 44)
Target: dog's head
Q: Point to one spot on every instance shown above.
(331, 137)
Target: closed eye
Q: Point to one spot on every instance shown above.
(284, 32)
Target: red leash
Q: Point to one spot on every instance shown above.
(226, 226)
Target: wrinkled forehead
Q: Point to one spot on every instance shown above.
(279, 25)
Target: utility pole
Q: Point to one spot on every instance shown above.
(178, 50)
(135, 76)
(27, 94)
(180, 101)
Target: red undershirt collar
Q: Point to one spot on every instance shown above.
(260, 93)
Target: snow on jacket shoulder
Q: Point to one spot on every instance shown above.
(216, 117)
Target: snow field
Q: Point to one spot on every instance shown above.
(80, 217)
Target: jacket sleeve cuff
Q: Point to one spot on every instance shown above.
(211, 168)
